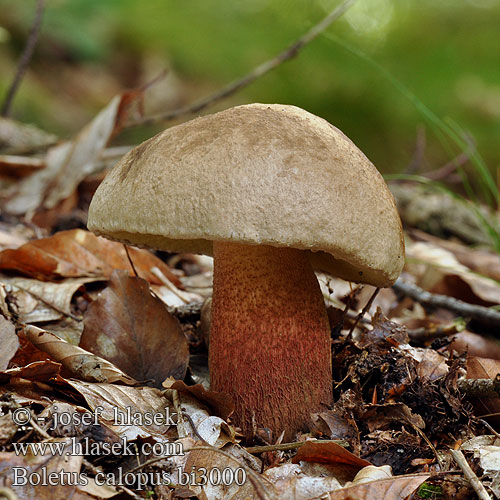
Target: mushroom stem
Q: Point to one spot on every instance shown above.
(270, 345)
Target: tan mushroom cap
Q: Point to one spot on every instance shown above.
(261, 174)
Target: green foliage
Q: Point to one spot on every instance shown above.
(431, 491)
(443, 52)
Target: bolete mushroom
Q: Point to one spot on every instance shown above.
(272, 192)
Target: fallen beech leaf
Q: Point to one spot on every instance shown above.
(10, 239)
(220, 403)
(475, 345)
(69, 162)
(485, 368)
(328, 453)
(395, 488)
(76, 360)
(129, 327)
(8, 341)
(19, 166)
(372, 473)
(17, 137)
(33, 467)
(210, 428)
(77, 253)
(116, 400)
(54, 299)
(40, 371)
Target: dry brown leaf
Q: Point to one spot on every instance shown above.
(40, 371)
(438, 271)
(13, 468)
(69, 162)
(10, 238)
(484, 368)
(77, 253)
(396, 488)
(478, 260)
(328, 453)
(19, 166)
(220, 403)
(8, 341)
(475, 345)
(17, 137)
(129, 327)
(76, 360)
(117, 399)
(45, 301)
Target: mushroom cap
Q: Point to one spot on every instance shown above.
(259, 174)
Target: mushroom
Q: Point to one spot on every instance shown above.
(272, 192)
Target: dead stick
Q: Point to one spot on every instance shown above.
(257, 72)
(424, 334)
(469, 475)
(479, 387)
(292, 446)
(363, 312)
(484, 314)
(25, 58)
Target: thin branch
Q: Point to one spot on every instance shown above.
(479, 387)
(486, 315)
(469, 475)
(363, 312)
(292, 446)
(424, 334)
(25, 58)
(257, 72)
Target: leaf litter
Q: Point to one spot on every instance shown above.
(84, 339)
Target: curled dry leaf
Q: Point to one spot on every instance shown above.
(76, 360)
(8, 341)
(39, 371)
(69, 162)
(328, 453)
(77, 253)
(129, 327)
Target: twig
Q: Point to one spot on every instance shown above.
(130, 261)
(181, 429)
(490, 428)
(254, 450)
(469, 475)
(257, 72)
(25, 58)
(484, 314)
(363, 311)
(193, 426)
(425, 334)
(479, 387)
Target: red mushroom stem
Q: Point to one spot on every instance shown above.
(270, 345)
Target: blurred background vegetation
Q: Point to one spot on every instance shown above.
(360, 74)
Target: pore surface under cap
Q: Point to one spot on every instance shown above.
(256, 174)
